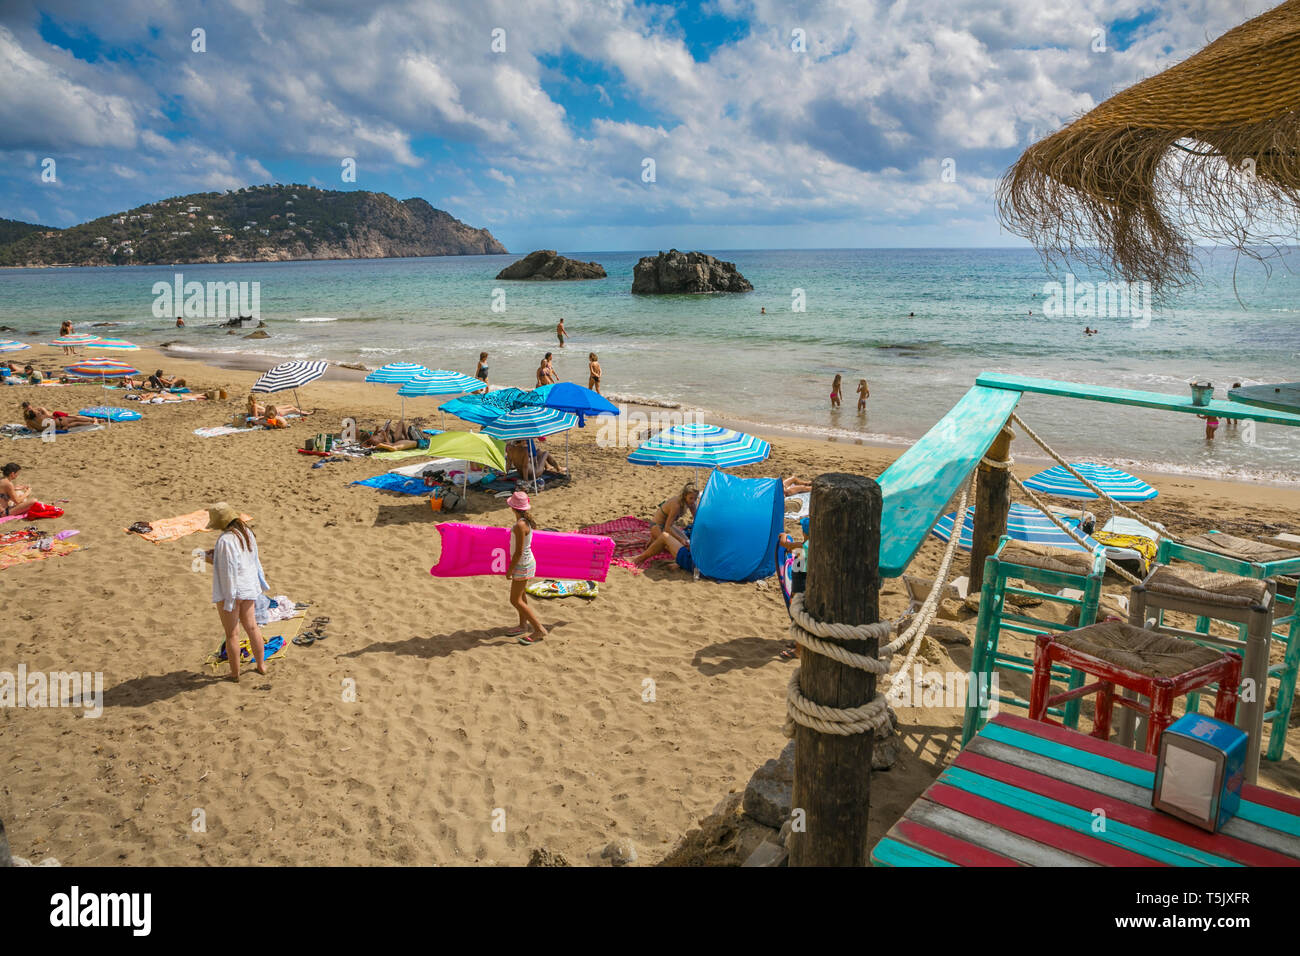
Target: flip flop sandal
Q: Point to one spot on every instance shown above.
(320, 622)
(516, 631)
(305, 640)
(526, 639)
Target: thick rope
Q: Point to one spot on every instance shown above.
(1055, 456)
(818, 637)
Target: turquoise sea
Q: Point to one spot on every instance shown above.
(719, 353)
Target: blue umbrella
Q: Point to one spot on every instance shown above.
(528, 422)
(471, 409)
(397, 373)
(568, 397)
(1120, 485)
(701, 446)
(1024, 523)
(440, 382)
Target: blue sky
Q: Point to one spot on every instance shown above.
(769, 125)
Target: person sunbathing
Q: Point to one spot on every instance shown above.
(542, 462)
(257, 410)
(670, 512)
(35, 417)
(794, 485)
(15, 499)
(158, 381)
(389, 438)
(680, 551)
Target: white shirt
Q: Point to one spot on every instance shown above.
(236, 573)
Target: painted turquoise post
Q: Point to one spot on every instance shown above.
(1286, 689)
(984, 649)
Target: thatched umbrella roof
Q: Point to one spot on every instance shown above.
(1209, 149)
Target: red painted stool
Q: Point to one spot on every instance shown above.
(1155, 666)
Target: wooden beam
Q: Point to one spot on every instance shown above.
(992, 503)
(919, 484)
(1127, 396)
(832, 774)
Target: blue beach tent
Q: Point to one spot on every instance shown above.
(736, 527)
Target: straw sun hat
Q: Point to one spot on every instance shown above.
(220, 515)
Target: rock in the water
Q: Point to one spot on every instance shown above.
(544, 857)
(619, 853)
(686, 272)
(548, 264)
(259, 334)
(770, 790)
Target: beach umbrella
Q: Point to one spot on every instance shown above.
(1024, 523)
(101, 368)
(569, 397)
(470, 409)
(1120, 485)
(121, 345)
(701, 446)
(535, 422)
(469, 446)
(74, 340)
(290, 375)
(1205, 150)
(528, 422)
(440, 382)
(11, 346)
(397, 373)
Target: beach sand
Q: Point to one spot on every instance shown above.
(455, 729)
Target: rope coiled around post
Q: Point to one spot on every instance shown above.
(820, 637)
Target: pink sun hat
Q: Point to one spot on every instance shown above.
(519, 501)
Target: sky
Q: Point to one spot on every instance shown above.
(576, 124)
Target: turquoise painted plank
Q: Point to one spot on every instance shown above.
(1269, 817)
(1283, 397)
(892, 853)
(919, 484)
(1120, 834)
(1128, 396)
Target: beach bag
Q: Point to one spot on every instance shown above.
(414, 434)
(450, 500)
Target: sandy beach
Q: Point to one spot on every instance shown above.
(454, 726)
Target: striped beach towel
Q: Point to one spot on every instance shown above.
(631, 536)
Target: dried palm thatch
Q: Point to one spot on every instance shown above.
(1208, 149)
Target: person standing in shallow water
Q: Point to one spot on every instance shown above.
(560, 332)
(835, 391)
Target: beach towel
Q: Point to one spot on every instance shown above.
(436, 464)
(276, 635)
(551, 588)
(399, 455)
(169, 529)
(215, 430)
(36, 548)
(111, 413)
(631, 536)
(28, 433)
(398, 484)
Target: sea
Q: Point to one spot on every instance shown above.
(917, 324)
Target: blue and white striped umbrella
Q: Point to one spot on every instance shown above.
(469, 408)
(1120, 485)
(439, 382)
(1024, 523)
(396, 373)
(11, 346)
(530, 422)
(701, 446)
(289, 375)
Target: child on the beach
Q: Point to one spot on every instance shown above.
(481, 372)
(1211, 426)
(237, 580)
(593, 372)
(560, 332)
(835, 391)
(864, 393)
(522, 567)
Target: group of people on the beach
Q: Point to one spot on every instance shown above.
(863, 392)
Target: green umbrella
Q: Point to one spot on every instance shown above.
(469, 446)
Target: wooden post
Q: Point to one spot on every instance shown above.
(832, 774)
(992, 502)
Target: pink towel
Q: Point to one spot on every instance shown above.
(631, 536)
